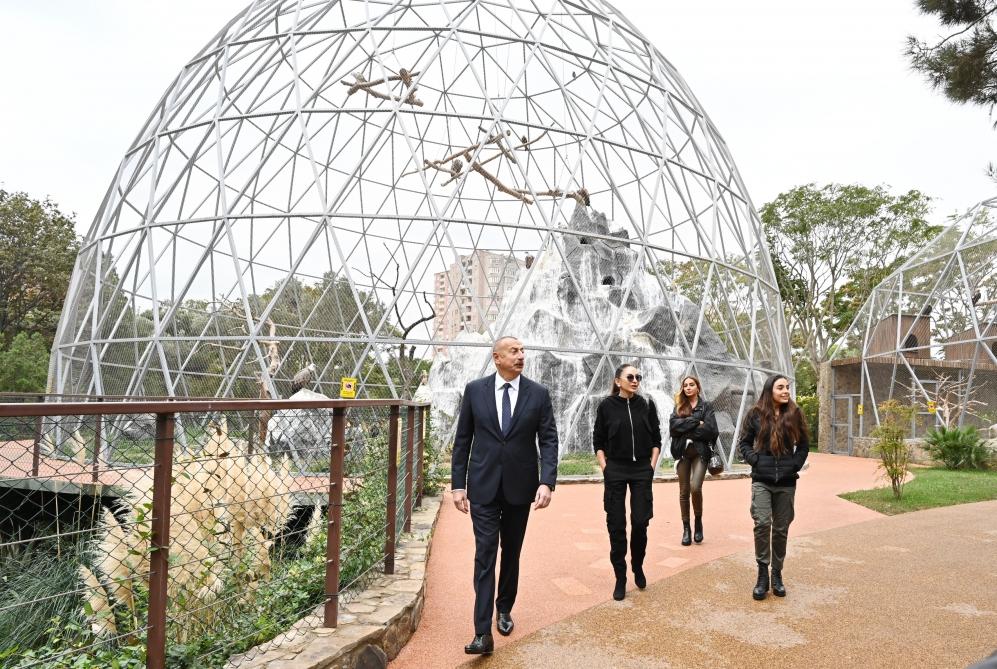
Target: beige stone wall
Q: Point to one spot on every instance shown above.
(865, 447)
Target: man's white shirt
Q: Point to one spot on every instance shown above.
(500, 391)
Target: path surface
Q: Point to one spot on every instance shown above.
(917, 590)
(565, 566)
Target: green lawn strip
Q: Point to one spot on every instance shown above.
(930, 488)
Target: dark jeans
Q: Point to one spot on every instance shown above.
(691, 471)
(616, 478)
(772, 511)
(495, 524)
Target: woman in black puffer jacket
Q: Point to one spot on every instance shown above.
(693, 428)
(774, 441)
(627, 442)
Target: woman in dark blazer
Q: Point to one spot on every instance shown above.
(693, 428)
(627, 442)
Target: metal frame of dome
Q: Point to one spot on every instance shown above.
(295, 190)
(927, 335)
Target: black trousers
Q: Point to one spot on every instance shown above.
(496, 524)
(617, 477)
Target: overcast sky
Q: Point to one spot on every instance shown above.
(802, 91)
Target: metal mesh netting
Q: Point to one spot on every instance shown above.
(372, 188)
(927, 336)
(247, 531)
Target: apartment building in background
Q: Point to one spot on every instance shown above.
(482, 276)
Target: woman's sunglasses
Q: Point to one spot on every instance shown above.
(634, 377)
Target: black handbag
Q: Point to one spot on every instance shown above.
(716, 464)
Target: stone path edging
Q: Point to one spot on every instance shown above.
(374, 627)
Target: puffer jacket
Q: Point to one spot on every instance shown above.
(684, 428)
(626, 429)
(765, 467)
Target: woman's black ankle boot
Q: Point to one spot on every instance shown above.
(698, 536)
(762, 585)
(778, 589)
(620, 591)
(686, 533)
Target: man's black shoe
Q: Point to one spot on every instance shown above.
(482, 645)
(505, 624)
(639, 577)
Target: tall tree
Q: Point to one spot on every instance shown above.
(964, 63)
(38, 247)
(24, 366)
(830, 247)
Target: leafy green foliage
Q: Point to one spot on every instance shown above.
(958, 448)
(38, 246)
(830, 246)
(810, 406)
(930, 488)
(894, 451)
(963, 64)
(24, 365)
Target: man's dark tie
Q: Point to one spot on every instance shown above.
(506, 408)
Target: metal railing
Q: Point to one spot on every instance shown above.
(168, 520)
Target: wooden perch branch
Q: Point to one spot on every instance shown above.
(454, 166)
(404, 76)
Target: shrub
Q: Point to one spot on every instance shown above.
(810, 406)
(37, 584)
(894, 452)
(958, 447)
(24, 366)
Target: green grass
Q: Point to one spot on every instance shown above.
(578, 464)
(931, 487)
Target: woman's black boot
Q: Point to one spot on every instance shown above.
(762, 585)
(620, 591)
(778, 589)
(686, 534)
(698, 536)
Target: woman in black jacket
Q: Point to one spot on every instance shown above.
(627, 442)
(693, 428)
(774, 441)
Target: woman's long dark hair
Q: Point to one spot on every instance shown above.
(613, 388)
(683, 407)
(779, 430)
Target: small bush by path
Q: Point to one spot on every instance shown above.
(931, 487)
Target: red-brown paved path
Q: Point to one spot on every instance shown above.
(565, 566)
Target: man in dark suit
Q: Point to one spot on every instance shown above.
(505, 421)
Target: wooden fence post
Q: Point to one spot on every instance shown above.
(392, 504)
(159, 561)
(335, 517)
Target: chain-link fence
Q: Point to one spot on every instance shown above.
(193, 533)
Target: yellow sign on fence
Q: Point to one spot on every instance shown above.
(931, 406)
(348, 388)
(860, 409)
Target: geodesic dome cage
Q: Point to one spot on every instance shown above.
(927, 336)
(368, 188)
